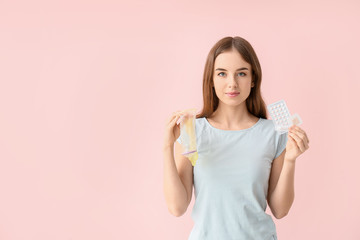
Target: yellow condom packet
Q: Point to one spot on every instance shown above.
(188, 134)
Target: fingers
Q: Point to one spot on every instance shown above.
(300, 138)
(301, 131)
(175, 120)
(173, 115)
(179, 113)
(298, 141)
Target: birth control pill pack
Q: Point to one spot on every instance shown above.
(281, 116)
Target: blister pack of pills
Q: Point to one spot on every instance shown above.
(281, 116)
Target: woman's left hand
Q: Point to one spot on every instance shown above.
(297, 143)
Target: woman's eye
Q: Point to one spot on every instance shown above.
(224, 73)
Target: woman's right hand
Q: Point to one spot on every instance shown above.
(172, 130)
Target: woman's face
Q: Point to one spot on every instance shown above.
(232, 74)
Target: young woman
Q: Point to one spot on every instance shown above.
(243, 164)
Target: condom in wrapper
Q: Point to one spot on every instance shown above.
(188, 134)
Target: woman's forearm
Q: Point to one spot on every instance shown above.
(174, 190)
(284, 193)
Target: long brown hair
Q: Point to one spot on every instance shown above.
(254, 103)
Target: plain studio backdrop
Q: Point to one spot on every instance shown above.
(86, 88)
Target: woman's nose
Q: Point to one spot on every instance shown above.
(232, 81)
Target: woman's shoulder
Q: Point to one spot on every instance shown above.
(269, 127)
(266, 121)
(199, 120)
(200, 123)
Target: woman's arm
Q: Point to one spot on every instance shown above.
(281, 192)
(281, 184)
(178, 180)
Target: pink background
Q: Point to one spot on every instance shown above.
(86, 87)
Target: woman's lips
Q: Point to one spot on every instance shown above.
(232, 95)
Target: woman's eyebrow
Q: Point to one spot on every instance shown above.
(222, 69)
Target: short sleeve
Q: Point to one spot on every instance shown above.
(179, 140)
(281, 145)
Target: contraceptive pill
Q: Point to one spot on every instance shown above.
(281, 116)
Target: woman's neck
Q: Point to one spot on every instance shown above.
(228, 117)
